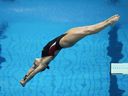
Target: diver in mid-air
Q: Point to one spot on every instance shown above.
(65, 40)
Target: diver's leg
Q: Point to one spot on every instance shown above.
(43, 65)
(75, 34)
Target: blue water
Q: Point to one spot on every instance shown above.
(83, 70)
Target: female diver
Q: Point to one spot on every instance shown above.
(64, 41)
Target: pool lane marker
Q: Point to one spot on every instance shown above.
(119, 68)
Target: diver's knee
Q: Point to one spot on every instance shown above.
(90, 29)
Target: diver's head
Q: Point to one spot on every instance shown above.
(37, 61)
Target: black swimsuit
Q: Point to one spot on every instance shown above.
(52, 47)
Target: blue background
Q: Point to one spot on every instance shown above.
(83, 70)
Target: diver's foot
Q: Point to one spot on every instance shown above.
(113, 19)
(22, 82)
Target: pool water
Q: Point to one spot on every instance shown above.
(83, 70)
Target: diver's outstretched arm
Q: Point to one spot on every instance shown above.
(41, 67)
(35, 65)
